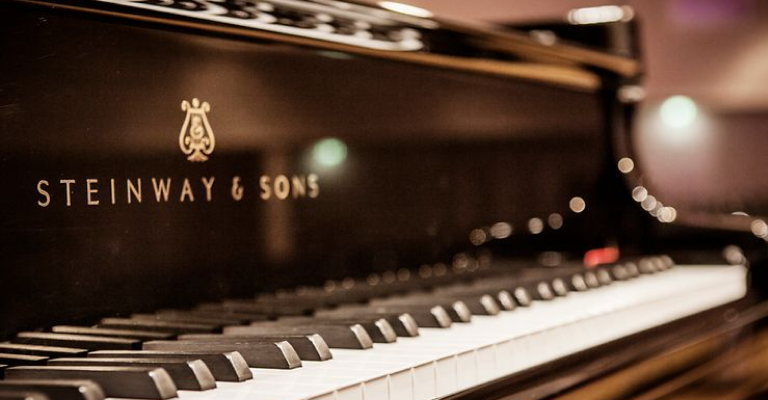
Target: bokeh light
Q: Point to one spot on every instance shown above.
(678, 111)
(329, 152)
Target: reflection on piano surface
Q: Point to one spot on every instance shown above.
(327, 200)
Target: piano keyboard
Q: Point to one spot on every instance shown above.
(442, 361)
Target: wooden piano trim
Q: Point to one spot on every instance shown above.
(562, 65)
(680, 344)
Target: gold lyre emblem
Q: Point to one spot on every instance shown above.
(196, 138)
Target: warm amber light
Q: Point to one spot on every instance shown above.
(649, 203)
(406, 9)
(639, 193)
(626, 165)
(759, 228)
(555, 221)
(501, 230)
(577, 204)
(535, 225)
(477, 237)
(600, 15)
(667, 214)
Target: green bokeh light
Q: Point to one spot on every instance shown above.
(329, 152)
(678, 111)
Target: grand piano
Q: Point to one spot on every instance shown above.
(281, 199)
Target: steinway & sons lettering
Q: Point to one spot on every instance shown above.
(99, 192)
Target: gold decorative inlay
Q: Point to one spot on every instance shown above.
(196, 139)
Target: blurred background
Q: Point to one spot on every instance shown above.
(707, 150)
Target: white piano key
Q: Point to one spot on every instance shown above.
(445, 376)
(425, 381)
(466, 370)
(509, 357)
(487, 368)
(261, 391)
(377, 389)
(401, 385)
(352, 392)
(327, 396)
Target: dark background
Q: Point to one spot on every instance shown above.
(713, 51)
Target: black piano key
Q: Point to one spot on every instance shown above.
(77, 341)
(308, 347)
(156, 326)
(559, 287)
(251, 307)
(632, 269)
(506, 300)
(186, 374)
(301, 302)
(481, 304)
(191, 315)
(667, 260)
(542, 291)
(217, 322)
(21, 359)
(280, 355)
(524, 291)
(425, 316)
(660, 264)
(122, 333)
(22, 395)
(307, 301)
(619, 273)
(227, 366)
(236, 317)
(483, 299)
(457, 310)
(603, 276)
(321, 297)
(316, 297)
(403, 323)
(590, 278)
(663, 263)
(336, 336)
(646, 266)
(577, 283)
(59, 389)
(377, 328)
(47, 351)
(2, 370)
(130, 382)
(522, 296)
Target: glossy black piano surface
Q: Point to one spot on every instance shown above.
(152, 158)
(325, 165)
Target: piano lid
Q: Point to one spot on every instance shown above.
(373, 31)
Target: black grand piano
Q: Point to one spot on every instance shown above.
(282, 199)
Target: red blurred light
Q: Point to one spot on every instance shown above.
(605, 255)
